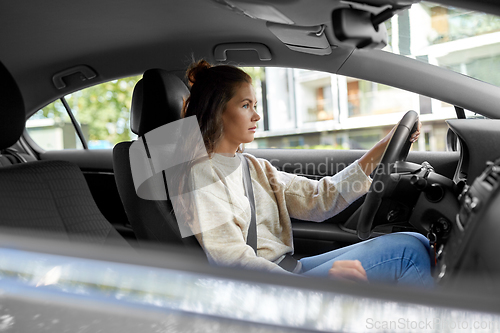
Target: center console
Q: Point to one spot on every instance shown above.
(473, 246)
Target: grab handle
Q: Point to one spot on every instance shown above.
(87, 73)
(220, 52)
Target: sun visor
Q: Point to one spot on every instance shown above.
(302, 39)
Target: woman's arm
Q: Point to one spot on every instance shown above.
(313, 200)
(369, 161)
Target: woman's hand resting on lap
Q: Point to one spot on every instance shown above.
(350, 270)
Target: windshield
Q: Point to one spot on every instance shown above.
(462, 40)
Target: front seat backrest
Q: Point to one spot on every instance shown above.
(45, 198)
(12, 121)
(157, 100)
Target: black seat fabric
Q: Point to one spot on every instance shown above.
(44, 198)
(12, 119)
(53, 198)
(157, 100)
(12, 115)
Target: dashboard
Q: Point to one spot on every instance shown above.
(479, 141)
(472, 246)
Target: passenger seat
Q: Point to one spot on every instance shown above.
(44, 197)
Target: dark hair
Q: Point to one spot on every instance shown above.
(211, 88)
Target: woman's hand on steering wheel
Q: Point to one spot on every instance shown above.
(372, 158)
(393, 148)
(414, 136)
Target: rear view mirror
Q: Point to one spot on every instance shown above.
(359, 28)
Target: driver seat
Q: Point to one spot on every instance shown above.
(157, 100)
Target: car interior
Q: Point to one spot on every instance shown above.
(55, 49)
(157, 100)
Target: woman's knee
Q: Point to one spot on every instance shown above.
(410, 246)
(409, 261)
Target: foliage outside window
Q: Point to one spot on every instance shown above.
(462, 40)
(451, 23)
(298, 109)
(102, 111)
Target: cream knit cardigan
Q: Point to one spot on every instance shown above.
(223, 210)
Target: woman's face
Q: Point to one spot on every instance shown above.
(239, 119)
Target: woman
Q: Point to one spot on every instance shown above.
(223, 100)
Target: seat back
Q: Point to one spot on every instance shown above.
(157, 100)
(52, 198)
(12, 120)
(44, 197)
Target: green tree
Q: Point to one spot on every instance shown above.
(256, 73)
(54, 111)
(105, 108)
(465, 24)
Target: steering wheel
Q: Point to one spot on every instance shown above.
(396, 151)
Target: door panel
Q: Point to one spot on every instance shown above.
(87, 159)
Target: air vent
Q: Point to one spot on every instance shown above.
(491, 176)
(492, 180)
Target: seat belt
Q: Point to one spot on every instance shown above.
(288, 263)
(247, 183)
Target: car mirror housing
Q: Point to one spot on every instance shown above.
(357, 28)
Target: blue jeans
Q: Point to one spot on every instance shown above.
(401, 258)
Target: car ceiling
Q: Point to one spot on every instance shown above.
(126, 37)
(118, 38)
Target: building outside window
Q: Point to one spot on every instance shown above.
(309, 109)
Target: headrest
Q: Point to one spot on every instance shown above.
(12, 113)
(157, 100)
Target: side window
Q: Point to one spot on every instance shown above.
(315, 110)
(101, 115)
